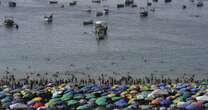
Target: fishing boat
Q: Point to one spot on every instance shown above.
(100, 29)
(134, 6)
(168, 1)
(12, 4)
(106, 11)
(48, 19)
(128, 2)
(96, 1)
(155, 0)
(73, 3)
(143, 12)
(99, 13)
(88, 22)
(9, 21)
(120, 5)
(53, 2)
(200, 4)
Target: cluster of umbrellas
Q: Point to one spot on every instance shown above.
(185, 96)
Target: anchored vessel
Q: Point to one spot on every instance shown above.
(100, 29)
(8, 21)
(48, 19)
(143, 12)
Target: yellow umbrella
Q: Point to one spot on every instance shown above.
(37, 99)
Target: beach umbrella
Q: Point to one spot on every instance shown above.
(90, 96)
(110, 106)
(57, 94)
(42, 108)
(67, 96)
(78, 96)
(206, 105)
(102, 101)
(72, 103)
(158, 92)
(115, 98)
(18, 106)
(156, 102)
(6, 105)
(53, 102)
(2, 95)
(145, 107)
(133, 92)
(121, 103)
(202, 98)
(6, 99)
(192, 107)
(82, 101)
(31, 102)
(37, 105)
(101, 108)
(165, 103)
(37, 99)
(84, 107)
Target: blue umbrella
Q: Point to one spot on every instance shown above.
(6, 99)
(192, 107)
(121, 103)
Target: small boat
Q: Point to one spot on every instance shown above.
(8, 21)
(73, 3)
(183, 6)
(53, 2)
(155, 0)
(134, 6)
(12, 4)
(149, 4)
(99, 14)
(143, 12)
(88, 22)
(200, 4)
(48, 19)
(120, 5)
(106, 11)
(100, 30)
(62, 6)
(168, 1)
(96, 1)
(129, 2)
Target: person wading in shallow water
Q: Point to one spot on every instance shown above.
(17, 26)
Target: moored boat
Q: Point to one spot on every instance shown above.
(8, 21)
(143, 12)
(53, 2)
(100, 29)
(12, 4)
(48, 19)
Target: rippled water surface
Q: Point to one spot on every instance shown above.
(170, 40)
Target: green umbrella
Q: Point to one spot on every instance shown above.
(101, 101)
(116, 98)
(67, 96)
(101, 108)
(90, 96)
(206, 105)
(52, 102)
(72, 102)
(84, 107)
(78, 96)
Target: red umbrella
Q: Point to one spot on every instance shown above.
(37, 105)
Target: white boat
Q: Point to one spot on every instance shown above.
(8, 21)
(100, 29)
(143, 12)
(48, 19)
